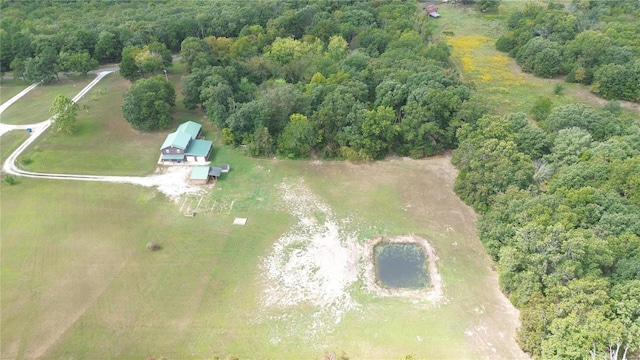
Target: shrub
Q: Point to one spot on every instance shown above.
(9, 179)
(541, 108)
(558, 90)
(153, 246)
(26, 160)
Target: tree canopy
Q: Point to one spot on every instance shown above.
(64, 112)
(147, 103)
(562, 224)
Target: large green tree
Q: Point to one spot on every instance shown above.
(196, 54)
(147, 103)
(298, 137)
(64, 111)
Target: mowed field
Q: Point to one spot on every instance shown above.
(34, 106)
(78, 282)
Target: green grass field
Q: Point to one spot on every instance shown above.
(10, 88)
(78, 282)
(34, 106)
(104, 143)
(10, 141)
(494, 75)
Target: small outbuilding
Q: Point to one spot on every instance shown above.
(200, 175)
(214, 172)
(432, 11)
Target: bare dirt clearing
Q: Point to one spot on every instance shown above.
(313, 264)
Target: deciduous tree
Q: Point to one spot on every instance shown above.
(64, 111)
(147, 103)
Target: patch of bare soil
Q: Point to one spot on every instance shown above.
(313, 265)
(584, 93)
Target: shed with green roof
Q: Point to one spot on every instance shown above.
(200, 175)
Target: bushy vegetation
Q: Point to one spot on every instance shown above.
(591, 42)
(560, 216)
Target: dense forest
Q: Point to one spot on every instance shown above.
(592, 42)
(559, 200)
(560, 215)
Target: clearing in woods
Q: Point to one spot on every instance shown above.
(80, 281)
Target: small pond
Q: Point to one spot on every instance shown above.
(400, 265)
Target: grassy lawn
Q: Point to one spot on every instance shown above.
(10, 88)
(10, 141)
(105, 142)
(34, 107)
(79, 282)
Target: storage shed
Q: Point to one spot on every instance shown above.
(200, 175)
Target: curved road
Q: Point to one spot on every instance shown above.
(38, 129)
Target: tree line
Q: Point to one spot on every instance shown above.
(595, 43)
(560, 215)
(41, 38)
(357, 81)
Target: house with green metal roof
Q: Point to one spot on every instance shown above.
(192, 128)
(183, 145)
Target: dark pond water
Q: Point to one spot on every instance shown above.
(400, 265)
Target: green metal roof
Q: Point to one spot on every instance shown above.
(177, 139)
(199, 173)
(172, 156)
(191, 128)
(199, 147)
